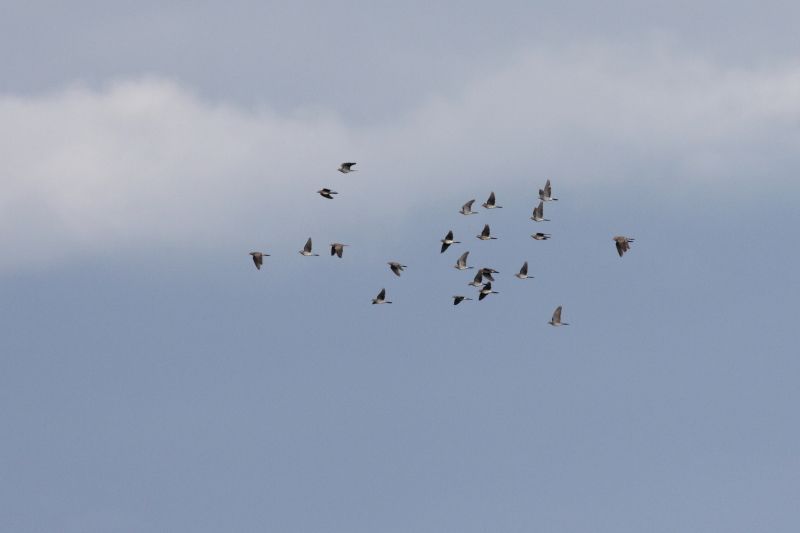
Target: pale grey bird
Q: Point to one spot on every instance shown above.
(326, 193)
(448, 240)
(490, 202)
(344, 168)
(461, 264)
(485, 291)
(538, 213)
(623, 244)
(523, 272)
(258, 258)
(458, 299)
(541, 236)
(337, 248)
(486, 234)
(478, 280)
(381, 298)
(556, 320)
(487, 273)
(466, 209)
(306, 251)
(396, 267)
(546, 194)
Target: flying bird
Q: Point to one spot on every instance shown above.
(327, 193)
(381, 298)
(485, 291)
(541, 236)
(258, 258)
(487, 273)
(623, 244)
(337, 248)
(461, 264)
(306, 251)
(344, 168)
(490, 202)
(396, 267)
(546, 194)
(556, 320)
(486, 234)
(458, 299)
(478, 280)
(523, 272)
(538, 213)
(466, 209)
(448, 240)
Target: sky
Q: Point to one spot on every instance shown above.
(151, 379)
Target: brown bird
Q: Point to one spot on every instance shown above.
(326, 193)
(490, 202)
(258, 258)
(458, 299)
(556, 320)
(448, 240)
(344, 168)
(623, 244)
(485, 291)
(546, 194)
(381, 298)
(396, 267)
(541, 236)
(337, 248)
(486, 234)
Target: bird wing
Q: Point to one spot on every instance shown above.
(468, 206)
(486, 231)
(381, 295)
(557, 315)
(524, 269)
(449, 236)
(547, 189)
(307, 247)
(620, 247)
(491, 200)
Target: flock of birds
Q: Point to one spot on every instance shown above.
(621, 242)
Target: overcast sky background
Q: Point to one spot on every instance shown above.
(152, 380)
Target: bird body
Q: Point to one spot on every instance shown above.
(461, 264)
(396, 267)
(466, 209)
(327, 193)
(381, 298)
(258, 258)
(490, 203)
(485, 291)
(344, 168)
(337, 248)
(486, 234)
(523, 272)
(306, 251)
(538, 213)
(448, 240)
(546, 194)
(556, 320)
(623, 244)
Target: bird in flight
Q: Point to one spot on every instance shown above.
(458, 299)
(337, 248)
(344, 168)
(556, 320)
(486, 234)
(326, 193)
(523, 272)
(448, 240)
(461, 264)
(306, 251)
(623, 244)
(487, 273)
(541, 236)
(396, 267)
(258, 258)
(490, 202)
(466, 209)
(485, 291)
(381, 298)
(538, 213)
(546, 194)
(478, 280)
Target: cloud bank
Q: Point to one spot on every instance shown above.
(147, 162)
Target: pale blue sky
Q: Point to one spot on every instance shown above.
(152, 380)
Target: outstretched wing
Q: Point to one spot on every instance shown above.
(307, 247)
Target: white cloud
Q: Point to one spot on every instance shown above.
(148, 163)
